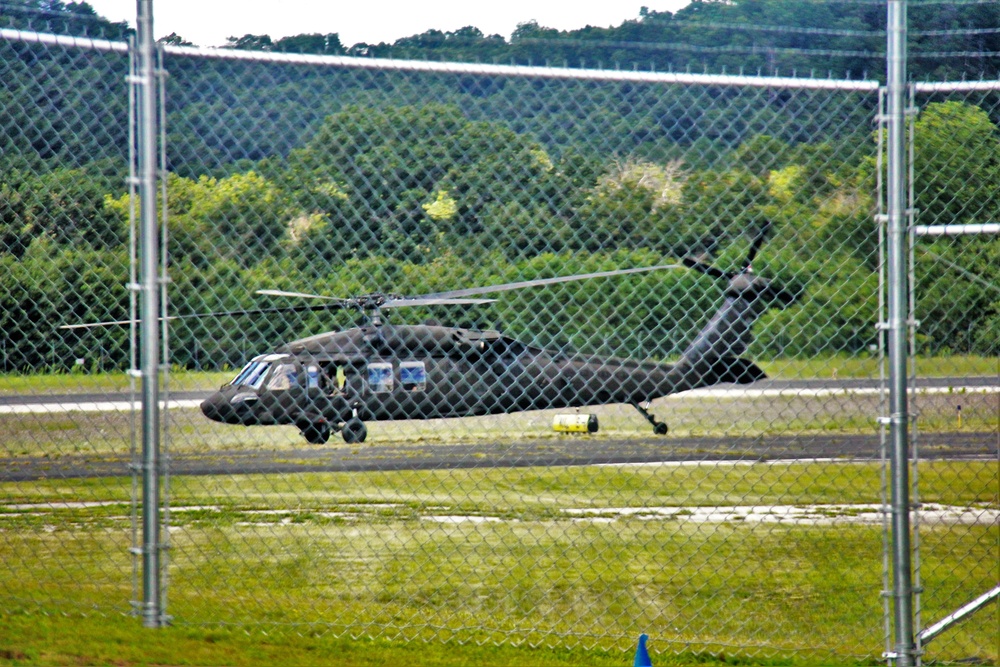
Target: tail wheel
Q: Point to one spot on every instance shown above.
(316, 433)
(354, 431)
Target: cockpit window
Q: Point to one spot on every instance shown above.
(285, 376)
(252, 374)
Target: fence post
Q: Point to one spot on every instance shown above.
(149, 327)
(898, 334)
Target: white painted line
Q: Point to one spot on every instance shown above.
(842, 391)
(90, 406)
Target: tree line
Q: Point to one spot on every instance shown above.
(452, 202)
(345, 182)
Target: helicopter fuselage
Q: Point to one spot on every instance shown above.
(338, 380)
(422, 372)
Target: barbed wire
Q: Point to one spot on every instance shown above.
(681, 46)
(756, 49)
(835, 32)
(748, 27)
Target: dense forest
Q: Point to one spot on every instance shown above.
(348, 180)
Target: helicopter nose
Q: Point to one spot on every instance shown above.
(211, 407)
(231, 406)
(217, 408)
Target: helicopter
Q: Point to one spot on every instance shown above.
(337, 381)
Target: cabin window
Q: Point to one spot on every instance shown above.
(314, 377)
(413, 376)
(285, 376)
(380, 376)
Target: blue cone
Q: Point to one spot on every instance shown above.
(641, 654)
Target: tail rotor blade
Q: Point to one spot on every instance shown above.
(758, 241)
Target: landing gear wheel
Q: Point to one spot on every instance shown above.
(659, 428)
(316, 433)
(354, 431)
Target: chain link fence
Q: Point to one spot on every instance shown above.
(955, 277)
(754, 525)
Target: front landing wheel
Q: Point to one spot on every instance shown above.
(354, 431)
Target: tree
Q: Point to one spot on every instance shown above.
(328, 44)
(173, 39)
(240, 218)
(249, 42)
(375, 174)
(957, 164)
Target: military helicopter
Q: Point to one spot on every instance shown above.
(337, 381)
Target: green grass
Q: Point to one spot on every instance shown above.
(106, 382)
(836, 366)
(305, 562)
(863, 366)
(69, 640)
(107, 434)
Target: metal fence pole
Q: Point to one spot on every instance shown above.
(897, 330)
(152, 612)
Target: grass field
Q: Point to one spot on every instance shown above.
(585, 558)
(720, 563)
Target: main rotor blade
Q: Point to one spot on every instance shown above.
(195, 316)
(506, 287)
(297, 295)
(433, 301)
(707, 269)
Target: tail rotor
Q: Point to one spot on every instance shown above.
(744, 282)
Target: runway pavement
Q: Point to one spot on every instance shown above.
(549, 450)
(567, 450)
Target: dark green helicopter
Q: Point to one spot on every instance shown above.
(337, 381)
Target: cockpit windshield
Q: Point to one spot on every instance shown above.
(253, 373)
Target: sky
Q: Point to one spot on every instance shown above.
(210, 22)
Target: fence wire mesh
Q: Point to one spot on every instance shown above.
(753, 525)
(955, 270)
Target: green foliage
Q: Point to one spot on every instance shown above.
(50, 286)
(377, 176)
(66, 206)
(956, 163)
